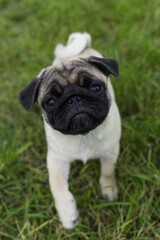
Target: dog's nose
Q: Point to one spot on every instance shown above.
(74, 99)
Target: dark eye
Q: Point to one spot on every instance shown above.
(96, 88)
(50, 102)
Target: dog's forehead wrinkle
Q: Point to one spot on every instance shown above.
(68, 73)
(54, 86)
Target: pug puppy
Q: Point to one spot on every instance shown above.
(81, 118)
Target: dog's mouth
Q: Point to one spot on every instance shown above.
(81, 123)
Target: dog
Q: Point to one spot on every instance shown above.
(81, 118)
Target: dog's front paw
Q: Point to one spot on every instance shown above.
(68, 212)
(109, 189)
(69, 222)
(110, 192)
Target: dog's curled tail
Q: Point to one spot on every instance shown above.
(77, 43)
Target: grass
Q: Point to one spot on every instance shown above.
(125, 30)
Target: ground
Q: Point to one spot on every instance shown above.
(125, 30)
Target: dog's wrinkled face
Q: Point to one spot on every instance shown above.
(76, 108)
(73, 94)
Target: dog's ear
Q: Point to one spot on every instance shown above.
(29, 95)
(106, 66)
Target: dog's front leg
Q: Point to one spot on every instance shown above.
(108, 182)
(64, 200)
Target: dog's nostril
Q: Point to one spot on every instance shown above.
(70, 101)
(78, 98)
(74, 99)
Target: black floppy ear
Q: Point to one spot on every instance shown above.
(106, 66)
(29, 95)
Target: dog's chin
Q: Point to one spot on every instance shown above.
(80, 123)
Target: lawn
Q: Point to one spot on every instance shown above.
(126, 30)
